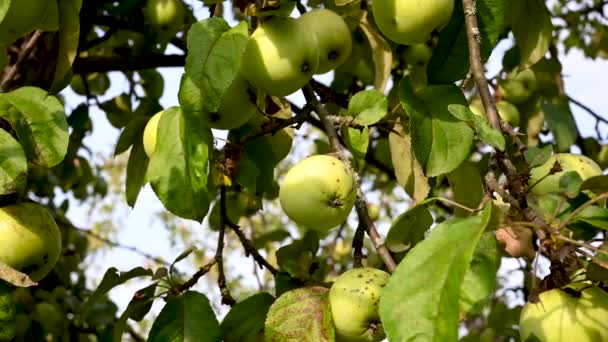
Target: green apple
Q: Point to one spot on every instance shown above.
(518, 86)
(318, 192)
(418, 54)
(30, 239)
(280, 56)
(506, 110)
(583, 165)
(602, 157)
(334, 41)
(150, 133)
(236, 109)
(353, 299)
(166, 17)
(411, 22)
(562, 317)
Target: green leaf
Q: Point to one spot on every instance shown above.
(480, 280)
(450, 61)
(4, 6)
(368, 107)
(110, 280)
(467, 186)
(245, 321)
(296, 259)
(408, 170)
(593, 216)
(530, 22)
(537, 156)
(300, 315)
(39, 122)
(214, 59)
(486, 132)
(382, 54)
(421, 299)
(357, 141)
(561, 123)
(69, 31)
(597, 184)
(13, 165)
(188, 317)
(133, 132)
(570, 183)
(118, 110)
(441, 142)
(179, 167)
(408, 229)
(137, 166)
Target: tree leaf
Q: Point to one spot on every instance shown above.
(561, 122)
(421, 299)
(300, 315)
(214, 59)
(485, 131)
(245, 321)
(480, 280)
(408, 170)
(408, 229)
(133, 131)
(382, 54)
(537, 156)
(137, 166)
(597, 184)
(110, 280)
(13, 165)
(188, 317)
(357, 141)
(179, 167)
(530, 22)
(69, 31)
(467, 186)
(450, 61)
(441, 142)
(368, 107)
(39, 122)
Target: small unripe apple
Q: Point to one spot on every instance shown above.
(411, 22)
(518, 86)
(602, 157)
(318, 192)
(30, 239)
(418, 54)
(236, 109)
(150, 133)
(564, 317)
(280, 56)
(97, 83)
(165, 16)
(334, 41)
(354, 298)
(584, 166)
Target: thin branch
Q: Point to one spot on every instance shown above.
(23, 55)
(360, 203)
(250, 249)
(119, 245)
(597, 116)
(578, 210)
(196, 276)
(474, 40)
(221, 279)
(84, 65)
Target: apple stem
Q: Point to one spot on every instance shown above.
(365, 222)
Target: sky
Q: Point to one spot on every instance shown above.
(583, 81)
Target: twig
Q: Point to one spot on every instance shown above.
(84, 65)
(578, 210)
(196, 276)
(360, 203)
(358, 245)
(250, 249)
(597, 116)
(221, 279)
(23, 55)
(489, 104)
(275, 125)
(119, 245)
(474, 39)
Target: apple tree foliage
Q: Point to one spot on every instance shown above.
(448, 186)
